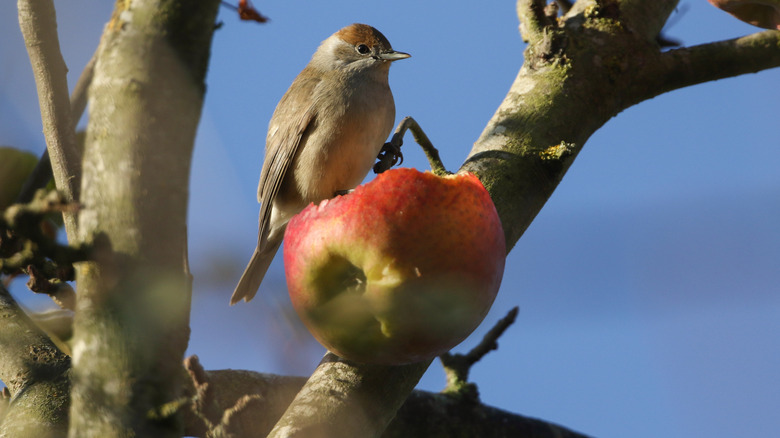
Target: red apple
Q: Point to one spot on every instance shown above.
(398, 271)
(761, 13)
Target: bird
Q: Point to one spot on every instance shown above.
(324, 136)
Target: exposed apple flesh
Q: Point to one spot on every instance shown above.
(400, 270)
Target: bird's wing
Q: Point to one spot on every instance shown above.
(280, 151)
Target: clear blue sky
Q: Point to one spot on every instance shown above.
(648, 285)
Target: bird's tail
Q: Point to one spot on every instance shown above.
(255, 271)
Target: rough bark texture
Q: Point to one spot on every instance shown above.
(36, 373)
(342, 398)
(131, 326)
(579, 72)
(423, 414)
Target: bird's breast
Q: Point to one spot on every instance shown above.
(342, 147)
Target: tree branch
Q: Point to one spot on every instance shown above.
(133, 304)
(343, 398)
(646, 18)
(457, 366)
(718, 60)
(38, 23)
(422, 414)
(36, 373)
(42, 173)
(583, 72)
(532, 19)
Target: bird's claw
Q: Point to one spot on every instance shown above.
(389, 156)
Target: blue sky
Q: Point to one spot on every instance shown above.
(648, 285)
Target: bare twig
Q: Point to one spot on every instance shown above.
(28, 245)
(78, 98)
(409, 124)
(219, 423)
(38, 23)
(202, 402)
(42, 173)
(457, 366)
(24, 243)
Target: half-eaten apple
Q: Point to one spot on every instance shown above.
(398, 271)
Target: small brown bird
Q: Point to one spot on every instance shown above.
(324, 136)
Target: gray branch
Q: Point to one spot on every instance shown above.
(36, 373)
(581, 73)
(133, 302)
(718, 60)
(342, 398)
(423, 414)
(38, 23)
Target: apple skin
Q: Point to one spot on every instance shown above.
(398, 271)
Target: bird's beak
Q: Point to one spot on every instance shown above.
(393, 56)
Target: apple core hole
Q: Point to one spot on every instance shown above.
(340, 276)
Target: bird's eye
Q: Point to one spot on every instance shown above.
(363, 49)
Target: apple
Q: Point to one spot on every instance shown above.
(398, 271)
(761, 13)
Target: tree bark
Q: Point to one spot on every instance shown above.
(579, 72)
(423, 414)
(132, 319)
(35, 372)
(38, 23)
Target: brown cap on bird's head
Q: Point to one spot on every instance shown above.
(362, 33)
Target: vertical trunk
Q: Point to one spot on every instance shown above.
(132, 322)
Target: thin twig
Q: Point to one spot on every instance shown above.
(430, 151)
(38, 23)
(24, 242)
(218, 423)
(457, 366)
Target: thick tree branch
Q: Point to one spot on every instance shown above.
(132, 316)
(38, 23)
(36, 373)
(422, 414)
(573, 80)
(342, 398)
